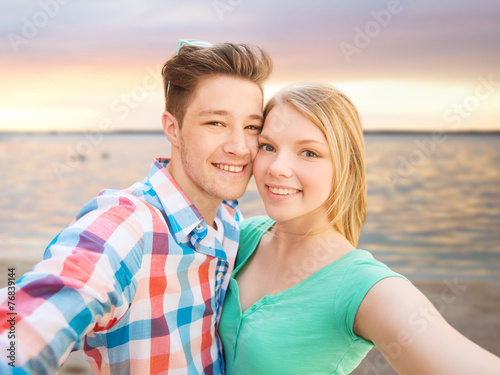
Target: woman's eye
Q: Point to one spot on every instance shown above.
(310, 154)
(266, 147)
(254, 127)
(215, 123)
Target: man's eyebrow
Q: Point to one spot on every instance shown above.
(256, 117)
(210, 112)
(222, 112)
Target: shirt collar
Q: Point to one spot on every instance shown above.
(183, 217)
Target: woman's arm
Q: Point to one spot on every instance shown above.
(414, 337)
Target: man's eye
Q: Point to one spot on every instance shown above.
(215, 123)
(266, 147)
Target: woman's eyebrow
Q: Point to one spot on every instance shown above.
(265, 136)
(303, 141)
(299, 142)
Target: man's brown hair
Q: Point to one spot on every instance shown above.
(182, 73)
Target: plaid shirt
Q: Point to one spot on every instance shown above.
(137, 280)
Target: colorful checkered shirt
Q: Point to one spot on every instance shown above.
(137, 281)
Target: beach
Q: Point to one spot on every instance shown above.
(433, 211)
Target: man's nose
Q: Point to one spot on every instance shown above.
(237, 143)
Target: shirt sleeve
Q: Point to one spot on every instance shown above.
(85, 282)
(361, 275)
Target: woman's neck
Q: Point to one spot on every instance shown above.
(290, 237)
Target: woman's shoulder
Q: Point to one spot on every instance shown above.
(359, 272)
(362, 263)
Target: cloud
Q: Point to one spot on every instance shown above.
(298, 35)
(105, 46)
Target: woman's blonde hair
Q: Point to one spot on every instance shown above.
(332, 112)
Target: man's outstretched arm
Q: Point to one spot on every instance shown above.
(85, 283)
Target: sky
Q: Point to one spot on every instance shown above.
(94, 65)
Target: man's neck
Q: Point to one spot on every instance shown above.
(206, 205)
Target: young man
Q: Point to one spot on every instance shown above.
(139, 278)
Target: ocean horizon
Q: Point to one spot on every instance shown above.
(159, 131)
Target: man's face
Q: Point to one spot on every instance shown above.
(218, 138)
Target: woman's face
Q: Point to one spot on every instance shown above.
(293, 168)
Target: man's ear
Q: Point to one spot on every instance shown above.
(170, 127)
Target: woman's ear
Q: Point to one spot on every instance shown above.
(170, 128)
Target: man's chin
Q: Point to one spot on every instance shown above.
(230, 195)
(235, 192)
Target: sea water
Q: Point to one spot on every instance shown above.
(433, 201)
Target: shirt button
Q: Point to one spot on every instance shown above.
(220, 275)
(199, 227)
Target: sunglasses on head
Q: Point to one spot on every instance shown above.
(188, 42)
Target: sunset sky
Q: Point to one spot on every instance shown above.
(74, 65)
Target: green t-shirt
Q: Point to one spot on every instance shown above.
(306, 329)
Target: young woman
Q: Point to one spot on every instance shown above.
(302, 298)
